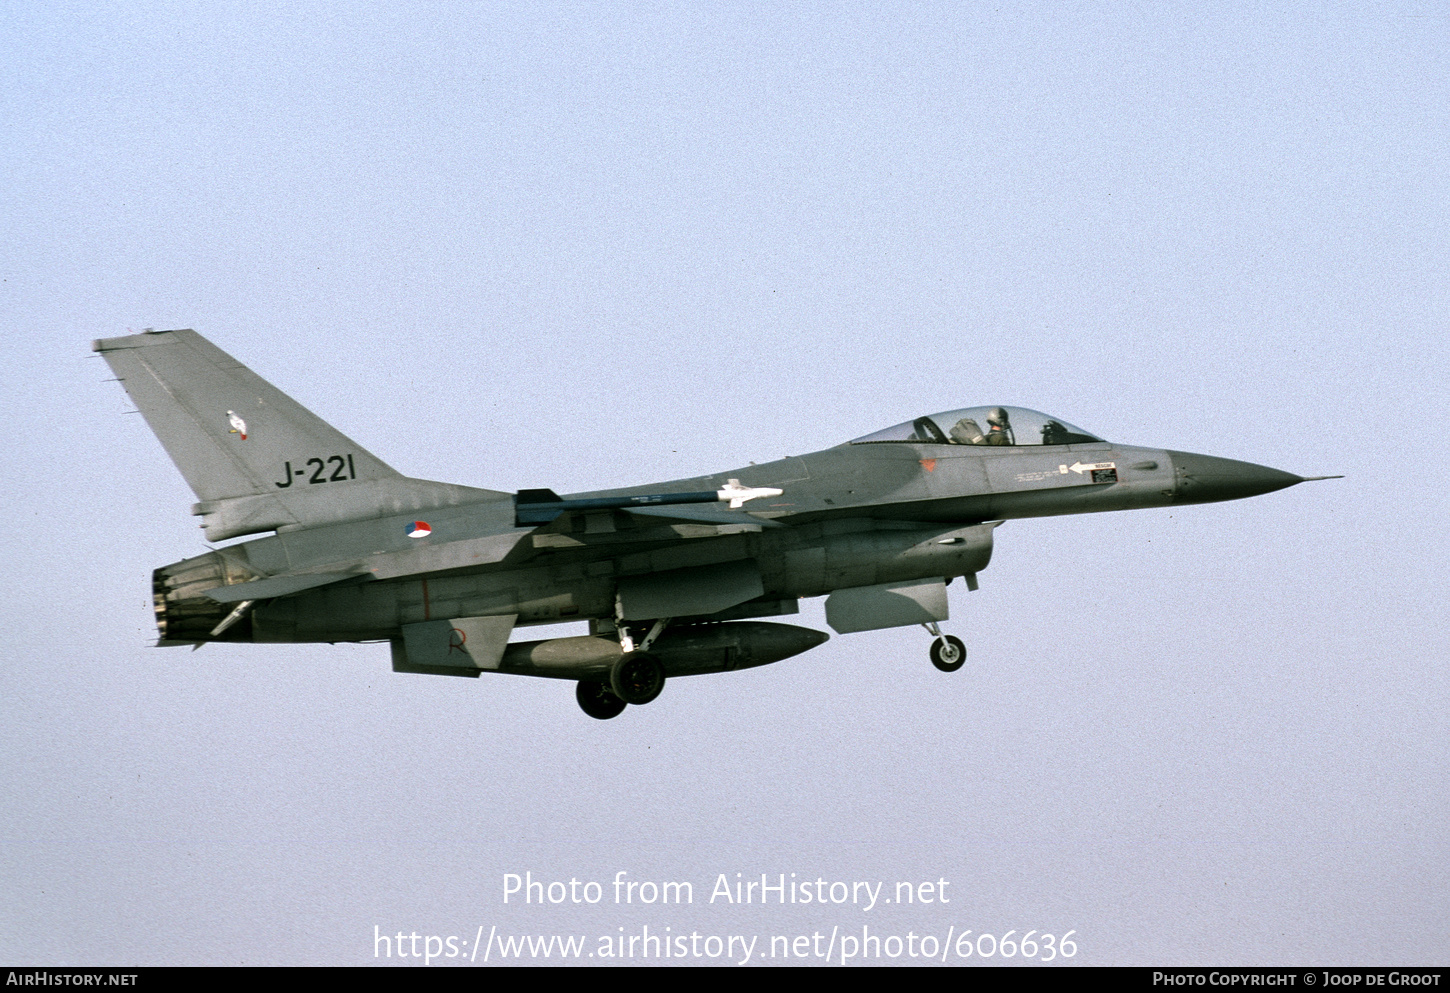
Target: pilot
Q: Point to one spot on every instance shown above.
(999, 429)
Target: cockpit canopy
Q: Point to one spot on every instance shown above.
(984, 426)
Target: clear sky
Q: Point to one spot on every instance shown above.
(586, 246)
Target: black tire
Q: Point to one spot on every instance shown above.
(948, 653)
(637, 678)
(598, 700)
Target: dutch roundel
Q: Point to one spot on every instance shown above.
(419, 529)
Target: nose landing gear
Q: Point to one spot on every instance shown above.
(947, 652)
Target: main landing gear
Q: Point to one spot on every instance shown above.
(637, 677)
(597, 700)
(947, 652)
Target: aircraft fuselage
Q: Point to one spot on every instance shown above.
(858, 515)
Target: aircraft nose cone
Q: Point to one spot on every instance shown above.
(1207, 479)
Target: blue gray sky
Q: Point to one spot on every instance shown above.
(586, 246)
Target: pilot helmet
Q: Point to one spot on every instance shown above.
(997, 416)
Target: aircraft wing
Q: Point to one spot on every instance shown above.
(703, 514)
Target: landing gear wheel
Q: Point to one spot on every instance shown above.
(948, 653)
(637, 678)
(597, 700)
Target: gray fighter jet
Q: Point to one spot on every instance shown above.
(672, 577)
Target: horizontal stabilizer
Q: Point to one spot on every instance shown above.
(237, 516)
(265, 589)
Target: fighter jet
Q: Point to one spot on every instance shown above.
(672, 577)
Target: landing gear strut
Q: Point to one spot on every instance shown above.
(947, 652)
(597, 700)
(637, 677)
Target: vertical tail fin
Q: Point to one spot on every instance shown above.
(254, 456)
(229, 431)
